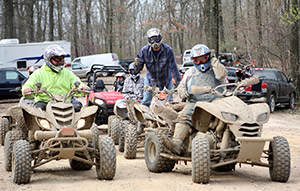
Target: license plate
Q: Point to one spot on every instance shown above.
(67, 132)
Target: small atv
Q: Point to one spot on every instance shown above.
(59, 133)
(100, 96)
(225, 132)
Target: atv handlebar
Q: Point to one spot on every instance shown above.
(208, 89)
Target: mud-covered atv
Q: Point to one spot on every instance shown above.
(160, 114)
(60, 133)
(225, 131)
(123, 126)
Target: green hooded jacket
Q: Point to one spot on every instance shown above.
(56, 83)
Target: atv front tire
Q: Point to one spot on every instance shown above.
(115, 130)
(279, 159)
(153, 148)
(131, 142)
(200, 160)
(106, 160)
(21, 162)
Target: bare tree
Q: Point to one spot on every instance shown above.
(51, 20)
(9, 31)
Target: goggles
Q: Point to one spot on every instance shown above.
(154, 39)
(200, 59)
(58, 58)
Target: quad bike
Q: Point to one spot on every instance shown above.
(225, 131)
(13, 118)
(105, 100)
(123, 126)
(60, 133)
(160, 114)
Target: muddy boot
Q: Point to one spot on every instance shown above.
(175, 144)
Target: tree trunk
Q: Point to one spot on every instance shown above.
(259, 29)
(215, 27)
(59, 21)
(75, 29)
(294, 49)
(221, 28)
(235, 27)
(51, 20)
(9, 31)
(29, 20)
(207, 29)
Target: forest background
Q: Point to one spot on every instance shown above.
(267, 30)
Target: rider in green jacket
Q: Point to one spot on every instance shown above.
(53, 76)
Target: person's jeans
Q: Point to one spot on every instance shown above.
(76, 104)
(147, 96)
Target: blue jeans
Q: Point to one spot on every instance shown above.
(147, 96)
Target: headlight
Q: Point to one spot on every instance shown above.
(99, 102)
(45, 124)
(80, 123)
(262, 117)
(229, 116)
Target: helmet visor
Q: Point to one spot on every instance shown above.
(58, 59)
(200, 59)
(154, 39)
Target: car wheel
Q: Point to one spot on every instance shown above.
(291, 102)
(272, 103)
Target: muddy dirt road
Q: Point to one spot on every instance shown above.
(134, 175)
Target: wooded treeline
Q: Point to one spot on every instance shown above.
(267, 30)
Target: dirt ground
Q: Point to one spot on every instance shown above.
(134, 175)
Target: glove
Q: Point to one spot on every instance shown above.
(219, 69)
(137, 61)
(183, 93)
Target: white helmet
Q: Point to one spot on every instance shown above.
(154, 38)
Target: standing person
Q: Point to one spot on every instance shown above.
(135, 83)
(53, 76)
(160, 63)
(207, 71)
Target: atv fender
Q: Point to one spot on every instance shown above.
(143, 113)
(232, 105)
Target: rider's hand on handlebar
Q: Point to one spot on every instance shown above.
(27, 91)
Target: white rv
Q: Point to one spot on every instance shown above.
(22, 56)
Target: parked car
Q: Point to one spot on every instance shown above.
(125, 63)
(79, 70)
(186, 56)
(274, 88)
(108, 59)
(185, 67)
(10, 79)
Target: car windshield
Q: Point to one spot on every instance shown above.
(270, 75)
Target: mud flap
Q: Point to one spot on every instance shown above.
(251, 149)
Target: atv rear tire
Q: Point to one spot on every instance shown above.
(279, 159)
(153, 149)
(131, 142)
(21, 162)
(4, 127)
(10, 138)
(200, 160)
(123, 129)
(115, 130)
(106, 160)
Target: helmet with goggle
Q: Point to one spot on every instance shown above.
(133, 72)
(200, 55)
(154, 38)
(55, 53)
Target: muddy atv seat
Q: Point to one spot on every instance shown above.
(100, 86)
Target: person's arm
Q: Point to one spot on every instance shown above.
(29, 85)
(219, 69)
(174, 68)
(125, 86)
(73, 78)
(139, 62)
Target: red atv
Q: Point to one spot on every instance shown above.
(100, 96)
